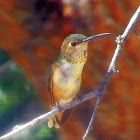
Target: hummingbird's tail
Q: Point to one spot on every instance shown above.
(60, 118)
(52, 122)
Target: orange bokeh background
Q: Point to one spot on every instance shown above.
(118, 117)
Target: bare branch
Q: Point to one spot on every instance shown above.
(112, 67)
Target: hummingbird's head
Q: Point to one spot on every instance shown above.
(74, 48)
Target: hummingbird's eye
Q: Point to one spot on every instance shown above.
(73, 44)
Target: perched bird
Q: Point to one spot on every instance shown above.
(65, 74)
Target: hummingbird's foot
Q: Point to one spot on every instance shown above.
(59, 107)
(80, 98)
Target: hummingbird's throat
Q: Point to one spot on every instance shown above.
(76, 57)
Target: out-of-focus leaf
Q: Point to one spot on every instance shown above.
(44, 132)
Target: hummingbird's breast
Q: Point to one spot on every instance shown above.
(67, 81)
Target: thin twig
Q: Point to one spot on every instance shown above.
(112, 67)
(92, 118)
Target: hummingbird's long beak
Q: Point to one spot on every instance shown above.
(95, 36)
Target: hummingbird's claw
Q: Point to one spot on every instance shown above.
(80, 98)
(59, 107)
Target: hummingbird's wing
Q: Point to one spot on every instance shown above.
(62, 116)
(50, 86)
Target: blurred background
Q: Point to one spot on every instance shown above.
(31, 33)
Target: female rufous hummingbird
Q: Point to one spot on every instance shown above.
(65, 74)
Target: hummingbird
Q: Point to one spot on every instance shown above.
(64, 78)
